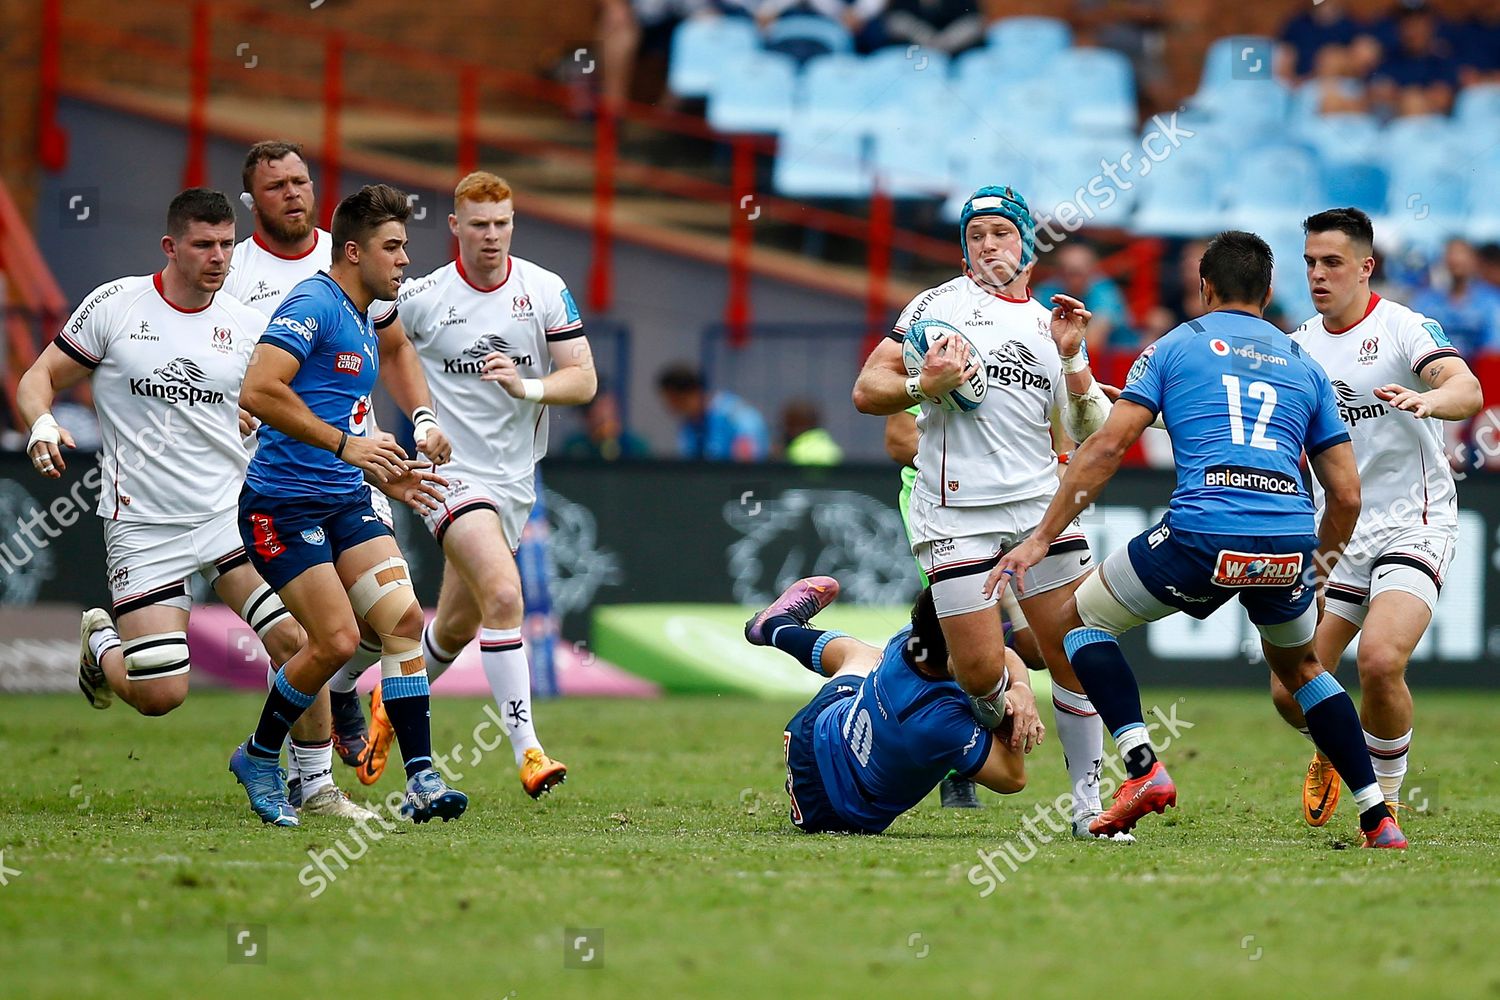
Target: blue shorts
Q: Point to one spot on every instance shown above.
(286, 536)
(1272, 575)
(812, 812)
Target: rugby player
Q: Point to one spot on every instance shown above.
(166, 354)
(500, 340)
(1395, 375)
(285, 249)
(305, 516)
(888, 724)
(1241, 403)
(984, 477)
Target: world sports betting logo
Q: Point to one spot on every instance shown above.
(179, 382)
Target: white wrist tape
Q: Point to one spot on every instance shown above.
(422, 421)
(44, 429)
(914, 390)
(1075, 363)
(532, 389)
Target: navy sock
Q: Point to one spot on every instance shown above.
(284, 706)
(408, 705)
(793, 638)
(1106, 678)
(1337, 732)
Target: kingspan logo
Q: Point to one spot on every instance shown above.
(472, 361)
(1013, 363)
(178, 381)
(1350, 410)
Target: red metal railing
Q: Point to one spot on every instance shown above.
(209, 71)
(34, 304)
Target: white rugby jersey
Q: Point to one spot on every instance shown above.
(260, 277)
(166, 387)
(454, 324)
(1403, 474)
(1001, 451)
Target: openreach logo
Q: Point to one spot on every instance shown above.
(1057, 815)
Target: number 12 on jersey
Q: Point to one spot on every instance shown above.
(1263, 391)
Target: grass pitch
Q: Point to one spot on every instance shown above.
(134, 868)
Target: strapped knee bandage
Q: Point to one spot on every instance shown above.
(1100, 609)
(263, 610)
(382, 597)
(149, 657)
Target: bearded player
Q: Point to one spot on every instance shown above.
(984, 478)
(500, 340)
(1396, 375)
(285, 249)
(306, 517)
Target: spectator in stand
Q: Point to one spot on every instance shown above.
(1467, 306)
(1489, 263)
(604, 436)
(1476, 39)
(861, 17)
(1077, 274)
(805, 440)
(716, 426)
(629, 29)
(1180, 300)
(1316, 28)
(1419, 75)
(1137, 30)
(949, 26)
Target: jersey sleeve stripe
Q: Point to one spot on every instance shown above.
(1431, 356)
(897, 334)
(75, 352)
(386, 320)
(566, 333)
(1314, 450)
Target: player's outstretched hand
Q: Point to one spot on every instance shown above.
(417, 488)
(1402, 398)
(1111, 392)
(1026, 728)
(498, 367)
(1011, 569)
(48, 438)
(1070, 321)
(379, 455)
(947, 365)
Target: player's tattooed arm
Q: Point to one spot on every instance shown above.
(401, 373)
(1455, 392)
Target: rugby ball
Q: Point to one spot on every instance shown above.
(923, 334)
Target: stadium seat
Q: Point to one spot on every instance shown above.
(1100, 89)
(904, 74)
(1362, 185)
(1270, 184)
(1342, 139)
(834, 92)
(700, 47)
(909, 158)
(1307, 98)
(803, 36)
(1180, 197)
(814, 160)
(978, 71)
(1426, 202)
(988, 158)
(1419, 139)
(1044, 35)
(1253, 105)
(1288, 272)
(753, 92)
(1063, 165)
(1478, 107)
(1227, 61)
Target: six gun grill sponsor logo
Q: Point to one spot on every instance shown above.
(1349, 410)
(1013, 363)
(349, 363)
(177, 384)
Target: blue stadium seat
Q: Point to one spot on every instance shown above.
(1362, 185)
(803, 36)
(700, 47)
(1483, 212)
(1046, 36)
(1419, 139)
(1342, 139)
(1288, 272)
(910, 159)
(1478, 107)
(1100, 89)
(835, 91)
(1232, 59)
(754, 92)
(815, 160)
(978, 71)
(988, 159)
(1063, 165)
(1270, 184)
(1180, 197)
(897, 80)
(1306, 99)
(1255, 105)
(1426, 202)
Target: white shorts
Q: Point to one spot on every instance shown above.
(958, 546)
(468, 491)
(150, 563)
(1411, 559)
